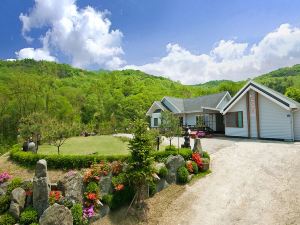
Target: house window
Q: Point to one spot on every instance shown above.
(234, 119)
(155, 122)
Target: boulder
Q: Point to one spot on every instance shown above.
(172, 164)
(41, 168)
(56, 215)
(198, 146)
(18, 197)
(3, 186)
(161, 184)
(2, 192)
(72, 187)
(158, 166)
(105, 184)
(104, 210)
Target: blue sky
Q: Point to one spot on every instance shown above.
(155, 35)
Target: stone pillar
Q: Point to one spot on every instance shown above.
(41, 187)
(198, 146)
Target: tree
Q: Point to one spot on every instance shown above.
(169, 125)
(57, 133)
(293, 93)
(140, 168)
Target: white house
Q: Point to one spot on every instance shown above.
(257, 111)
(191, 110)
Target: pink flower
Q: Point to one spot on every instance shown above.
(89, 211)
(4, 177)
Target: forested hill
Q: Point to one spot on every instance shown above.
(100, 100)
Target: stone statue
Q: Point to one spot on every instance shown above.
(186, 138)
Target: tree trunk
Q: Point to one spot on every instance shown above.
(58, 149)
(170, 142)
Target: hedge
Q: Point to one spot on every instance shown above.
(29, 159)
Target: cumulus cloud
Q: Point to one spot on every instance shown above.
(229, 59)
(37, 54)
(83, 35)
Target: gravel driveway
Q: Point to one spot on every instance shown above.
(253, 182)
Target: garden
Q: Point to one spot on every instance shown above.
(93, 185)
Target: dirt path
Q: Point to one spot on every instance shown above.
(251, 183)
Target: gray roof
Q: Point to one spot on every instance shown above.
(196, 104)
(161, 105)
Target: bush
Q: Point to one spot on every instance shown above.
(92, 187)
(7, 219)
(123, 197)
(170, 148)
(28, 216)
(152, 188)
(163, 172)
(15, 183)
(77, 213)
(183, 175)
(107, 199)
(4, 203)
(195, 168)
(205, 155)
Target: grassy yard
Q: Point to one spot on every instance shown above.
(103, 145)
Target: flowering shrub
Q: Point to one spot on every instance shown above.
(88, 212)
(119, 181)
(4, 177)
(197, 159)
(116, 167)
(119, 187)
(189, 166)
(54, 197)
(96, 171)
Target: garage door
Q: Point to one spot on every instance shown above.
(297, 125)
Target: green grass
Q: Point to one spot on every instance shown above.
(101, 145)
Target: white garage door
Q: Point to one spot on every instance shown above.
(297, 125)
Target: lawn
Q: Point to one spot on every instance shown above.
(102, 145)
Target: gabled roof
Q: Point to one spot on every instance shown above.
(269, 93)
(186, 105)
(156, 104)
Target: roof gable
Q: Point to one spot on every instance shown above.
(273, 95)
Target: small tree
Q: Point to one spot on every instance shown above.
(56, 132)
(169, 125)
(140, 167)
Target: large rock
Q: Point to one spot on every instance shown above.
(56, 215)
(158, 166)
(105, 184)
(41, 187)
(2, 192)
(198, 146)
(72, 187)
(172, 164)
(18, 197)
(161, 184)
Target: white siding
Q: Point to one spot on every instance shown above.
(234, 131)
(297, 125)
(252, 108)
(155, 115)
(275, 122)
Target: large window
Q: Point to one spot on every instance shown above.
(155, 122)
(234, 119)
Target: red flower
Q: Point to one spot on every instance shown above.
(92, 196)
(189, 167)
(119, 187)
(197, 159)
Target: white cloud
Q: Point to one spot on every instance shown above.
(229, 59)
(37, 54)
(83, 35)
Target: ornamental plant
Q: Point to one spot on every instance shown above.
(116, 167)
(195, 167)
(197, 159)
(54, 197)
(189, 166)
(4, 177)
(183, 175)
(88, 212)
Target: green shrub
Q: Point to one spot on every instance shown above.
(205, 155)
(183, 175)
(15, 183)
(195, 167)
(107, 199)
(67, 203)
(170, 148)
(119, 179)
(163, 172)
(4, 203)
(34, 224)
(77, 213)
(152, 188)
(123, 197)
(7, 219)
(28, 216)
(92, 187)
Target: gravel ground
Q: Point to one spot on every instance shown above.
(253, 182)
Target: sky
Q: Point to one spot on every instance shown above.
(191, 41)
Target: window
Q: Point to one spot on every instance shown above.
(157, 111)
(234, 119)
(155, 122)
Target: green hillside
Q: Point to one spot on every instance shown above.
(101, 100)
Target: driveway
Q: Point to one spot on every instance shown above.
(253, 182)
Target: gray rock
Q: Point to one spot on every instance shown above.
(41, 192)
(56, 215)
(104, 210)
(72, 187)
(18, 197)
(197, 146)
(2, 192)
(161, 184)
(41, 168)
(3, 186)
(172, 164)
(158, 166)
(105, 184)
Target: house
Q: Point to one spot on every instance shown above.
(257, 111)
(192, 111)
